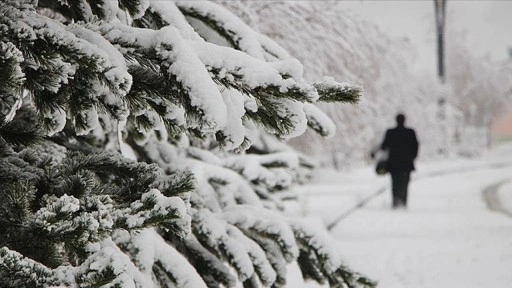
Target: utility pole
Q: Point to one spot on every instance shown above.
(440, 8)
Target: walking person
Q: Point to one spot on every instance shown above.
(402, 146)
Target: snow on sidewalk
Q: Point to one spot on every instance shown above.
(446, 238)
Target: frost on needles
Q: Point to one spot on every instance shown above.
(141, 146)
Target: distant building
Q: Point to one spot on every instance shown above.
(501, 129)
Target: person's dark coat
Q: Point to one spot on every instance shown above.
(402, 147)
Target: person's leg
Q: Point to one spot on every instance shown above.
(395, 188)
(407, 177)
(404, 184)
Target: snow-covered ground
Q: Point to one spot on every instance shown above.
(456, 231)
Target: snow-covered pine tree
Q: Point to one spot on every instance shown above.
(135, 149)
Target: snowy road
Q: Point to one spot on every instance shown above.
(447, 237)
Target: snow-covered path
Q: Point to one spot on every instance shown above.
(447, 237)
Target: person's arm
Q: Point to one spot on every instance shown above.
(385, 143)
(415, 145)
(380, 146)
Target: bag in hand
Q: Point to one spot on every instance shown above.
(382, 167)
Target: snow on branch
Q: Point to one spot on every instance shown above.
(236, 32)
(319, 257)
(172, 16)
(11, 59)
(332, 91)
(319, 121)
(182, 68)
(17, 270)
(108, 262)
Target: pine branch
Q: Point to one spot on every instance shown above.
(274, 255)
(234, 80)
(154, 209)
(21, 131)
(148, 84)
(111, 163)
(18, 271)
(15, 207)
(134, 7)
(152, 90)
(271, 112)
(331, 91)
(106, 267)
(213, 270)
(133, 178)
(213, 23)
(151, 20)
(177, 183)
(11, 76)
(269, 116)
(320, 263)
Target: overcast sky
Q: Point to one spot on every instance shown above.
(488, 24)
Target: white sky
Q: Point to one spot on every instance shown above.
(488, 24)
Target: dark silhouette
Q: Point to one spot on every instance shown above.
(402, 147)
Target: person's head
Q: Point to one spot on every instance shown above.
(400, 119)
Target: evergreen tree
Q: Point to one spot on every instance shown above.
(138, 149)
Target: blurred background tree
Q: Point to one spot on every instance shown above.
(358, 51)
